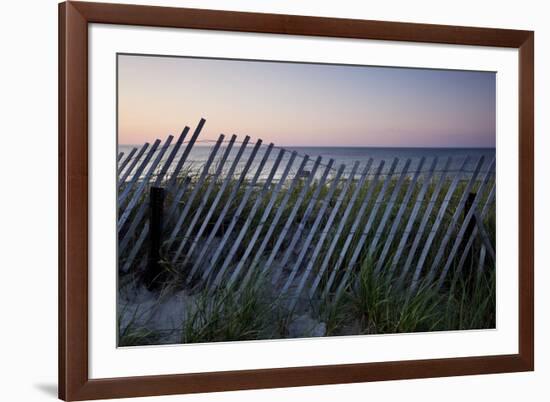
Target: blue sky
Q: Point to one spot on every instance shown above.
(306, 104)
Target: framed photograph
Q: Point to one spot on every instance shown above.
(259, 200)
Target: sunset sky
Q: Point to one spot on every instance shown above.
(305, 104)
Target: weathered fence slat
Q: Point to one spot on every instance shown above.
(138, 192)
(267, 211)
(206, 193)
(412, 217)
(201, 260)
(156, 214)
(486, 245)
(135, 250)
(275, 221)
(236, 243)
(140, 240)
(133, 203)
(325, 231)
(221, 217)
(166, 165)
(485, 237)
(226, 226)
(435, 226)
(176, 200)
(481, 264)
(372, 216)
(313, 229)
(196, 189)
(423, 223)
(293, 212)
(460, 235)
(136, 176)
(454, 220)
(357, 220)
(126, 160)
(397, 220)
(185, 155)
(301, 226)
(389, 207)
(173, 175)
(157, 182)
(142, 209)
(484, 211)
(125, 173)
(128, 235)
(339, 230)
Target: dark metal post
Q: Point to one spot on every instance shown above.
(156, 206)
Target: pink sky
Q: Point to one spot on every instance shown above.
(305, 104)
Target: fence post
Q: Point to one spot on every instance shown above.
(469, 229)
(468, 205)
(156, 206)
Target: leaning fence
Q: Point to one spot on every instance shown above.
(250, 209)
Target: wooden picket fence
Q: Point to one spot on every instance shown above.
(258, 210)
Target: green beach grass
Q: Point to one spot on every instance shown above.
(369, 303)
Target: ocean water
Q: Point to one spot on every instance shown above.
(451, 160)
(465, 158)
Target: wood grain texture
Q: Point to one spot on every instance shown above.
(298, 25)
(251, 212)
(526, 201)
(73, 203)
(74, 382)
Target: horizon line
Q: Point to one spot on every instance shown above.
(197, 144)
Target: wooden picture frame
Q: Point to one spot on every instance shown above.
(74, 381)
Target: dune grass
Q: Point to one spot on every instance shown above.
(375, 304)
(370, 303)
